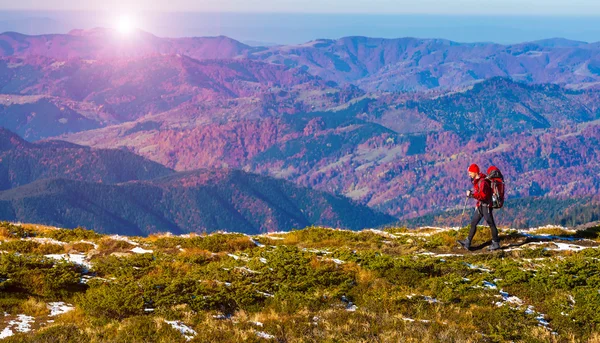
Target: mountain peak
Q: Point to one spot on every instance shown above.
(10, 140)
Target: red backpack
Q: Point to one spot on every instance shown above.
(497, 184)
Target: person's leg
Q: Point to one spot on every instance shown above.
(489, 218)
(477, 215)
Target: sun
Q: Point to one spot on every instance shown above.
(125, 24)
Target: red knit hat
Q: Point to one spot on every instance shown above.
(473, 168)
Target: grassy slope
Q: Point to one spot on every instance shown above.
(313, 285)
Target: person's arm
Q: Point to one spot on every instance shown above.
(482, 191)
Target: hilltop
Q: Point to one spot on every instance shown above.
(317, 284)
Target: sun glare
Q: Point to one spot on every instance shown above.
(125, 24)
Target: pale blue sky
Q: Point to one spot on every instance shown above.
(490, 7)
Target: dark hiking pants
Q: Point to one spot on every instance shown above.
(483, 211)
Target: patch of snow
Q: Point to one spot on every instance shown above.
(430, 300)
(73, 258)
(258, 244)
(236, 257)
(474, 267)
(57, 308)
(139, 250)
(428, 253)
(247, 270)
(263, 260)
(7, 332)
(489, 285)
(264, 335)
(507, 298)
(542, 320)
(335, 260)
(124, 239)
(568, 247)
(351, 307)
(257, 323)
(185, 330)
(413, 320)
(265, 294)
(22, 323)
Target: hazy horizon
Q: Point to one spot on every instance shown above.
(295, 28)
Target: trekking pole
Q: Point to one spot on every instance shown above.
(462, 216)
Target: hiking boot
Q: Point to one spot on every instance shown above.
(465, 244)
(495, 246)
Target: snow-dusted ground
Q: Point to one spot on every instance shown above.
(518, 305)
(185, 330)
(265, 294)
(247, 270)
(21, 324)
(58, 308)
(139, 250)
(335, 260)
(7, 332)
(264, 335)
(474, 267)
(80, 259)
(236, 257)
(124, 239)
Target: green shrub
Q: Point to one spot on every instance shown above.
(112, 301)
(72, 235)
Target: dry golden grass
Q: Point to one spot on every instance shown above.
(554, 231)
(108, 246)
(595, 338)
(34, 307)
(79, 246)
(197, 252)
(74, 316)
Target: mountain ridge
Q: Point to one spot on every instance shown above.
(372, 63)
(198, 201)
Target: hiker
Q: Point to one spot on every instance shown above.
(482, 192)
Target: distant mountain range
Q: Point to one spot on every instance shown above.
(395, 154)
(389, 123)
(371, 63)
(22, 163)
(114, 191)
